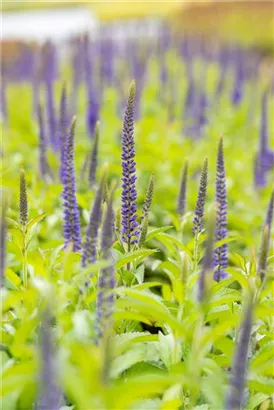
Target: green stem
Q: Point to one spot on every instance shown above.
(128, 249)
(25, 262)
(195, 252)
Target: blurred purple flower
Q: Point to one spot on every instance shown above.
(44, 168)
(129, 194)
(89, 253)
(93, 163)
(72, 233)
(106, 281)
(181, 205)
(198, 220)
(50, 396)
(235, 395)
(220, 256)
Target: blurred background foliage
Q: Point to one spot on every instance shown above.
(244, 22)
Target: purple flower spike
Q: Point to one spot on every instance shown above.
(220, 257)
(89, 254)
(181, 206)
(106, 282)
(234, 399)
(3, 99)
(92, 111)
(72, 232)
(129, 194)
(44, 169)
(63, 127)
(94, 158)
(198, 220)
(50, 395)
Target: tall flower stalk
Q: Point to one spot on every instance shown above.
(50, 395)
(44, 169)
(198, 220)
(146, 209)
(24, 213)
(220, 257)
(181, 205)
(89, 254)
(23, 198)
(235, 396)
(129, 194)
(94, 157)
(63, 127)
(72, 233)
(106, 281)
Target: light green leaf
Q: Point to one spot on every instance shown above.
(256, 400)
(135, 256)
(155, 232)
(12, 278)
(33, 222)
(140, 353)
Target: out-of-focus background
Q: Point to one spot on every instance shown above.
(247, 22)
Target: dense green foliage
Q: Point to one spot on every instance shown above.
(165, 351)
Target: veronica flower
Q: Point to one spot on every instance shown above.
(45, 172)
(89, 253)
(106, 281)
(72, 232)
(77, 51)
(23, 198)
(237, 92)
(35, 80)
(50, 396)
(129, 193)
(265, 157)
(92, 111)
(3, 98)
(234, 398)
(207, 260)
(63, 127)
(220, 257)
(94, 158)
(49, 67)
(262, 264)
(198, 220)
(181, 205)
(149, 196)
(260, 174)
(3, 232)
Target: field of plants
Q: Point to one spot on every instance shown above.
(136, 208)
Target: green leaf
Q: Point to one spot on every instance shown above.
(262, 357)
(131, 315)
(261, 384)
(155, 232)
(125, 340)
(140, 353)
(225, 241)
(12, 278)
(139, 274)
(135, 256)
(256, 400)
(33, 222)
(239, 277)
(15, 224)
